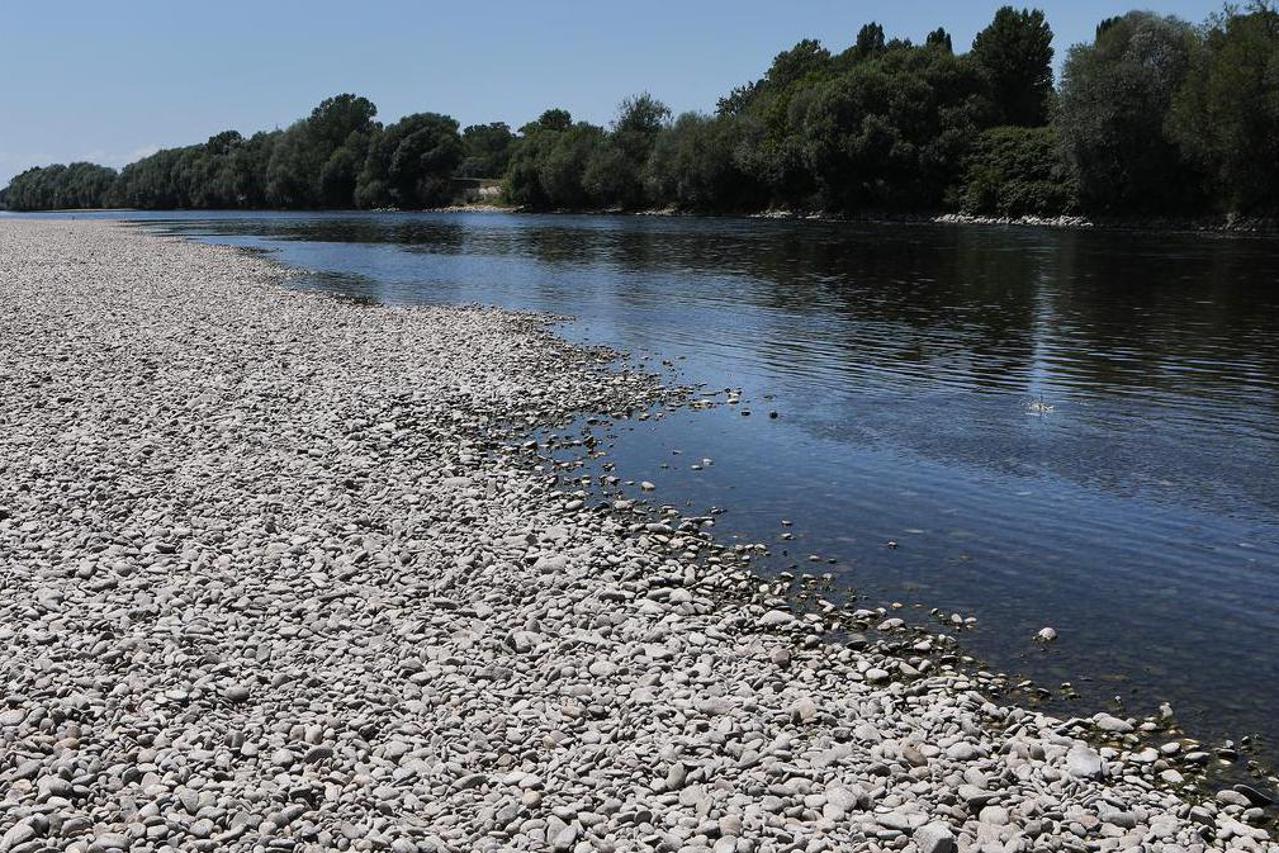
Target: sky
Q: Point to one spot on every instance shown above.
(113, 80)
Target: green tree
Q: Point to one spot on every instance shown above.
(152, 182)
(411, 163)
(523, 185)
(697, 164)
(642, 115)
(552, 119)
(487, 150)
(738, 101)
(806, 61)
(1014, 171)
(870, 41)
(316, 162)
(893, 132)
(1115, 99)
(612, 178)
(549, 164)
(939, 39)
(1016, 53)
(615, 175)
(58, 187)
(1226, 116)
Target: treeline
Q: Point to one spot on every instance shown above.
(338, 157)
(1155, 116)
(79, 185)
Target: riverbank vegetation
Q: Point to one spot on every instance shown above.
(1153, 117)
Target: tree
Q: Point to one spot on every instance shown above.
(806, 61)
(1016, 53)
(553, 119)
(1152, 117)
(58, 187)
(316, 162)
(335, 119)
(641, 114)
(939, 39)
(562, 172)
(1014, 171)
(487, 150)
(151, 183)
(892, 133)
(410, 163)
(697, 164)
(1115, 99)
(1226, 116)
(550, 164)
(612, 178)
(615, 177)
(870, 41)
(738, 101)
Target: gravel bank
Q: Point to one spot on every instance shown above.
(273, 579)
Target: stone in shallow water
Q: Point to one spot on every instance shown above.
(1255, 796)
(1112, 724)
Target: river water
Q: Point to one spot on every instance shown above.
(1139, 516)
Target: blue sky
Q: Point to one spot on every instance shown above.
(112, 80)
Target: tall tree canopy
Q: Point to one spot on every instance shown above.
(1016, 51)
(486, 149)
(550, 160)
(1115, 98)
(411, 163)
(1226, 117)
(316, 162)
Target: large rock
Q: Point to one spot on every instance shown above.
(934, 838)
(1083, 762)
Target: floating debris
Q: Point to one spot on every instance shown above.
(1038, 407)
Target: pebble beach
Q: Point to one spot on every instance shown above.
(284, 572)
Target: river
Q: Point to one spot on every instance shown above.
(1034, 427)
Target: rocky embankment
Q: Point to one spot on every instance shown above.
(280, 573)
(1030, 220)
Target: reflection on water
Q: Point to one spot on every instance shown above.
(1140, 517)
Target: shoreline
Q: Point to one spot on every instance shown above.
(1221, 225)
(313, 543)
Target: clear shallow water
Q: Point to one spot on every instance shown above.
(1140, 517)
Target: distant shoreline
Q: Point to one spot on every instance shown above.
(1223, 224)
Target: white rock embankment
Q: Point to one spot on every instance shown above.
(270, 583)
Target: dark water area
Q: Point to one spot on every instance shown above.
(1139, 517)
